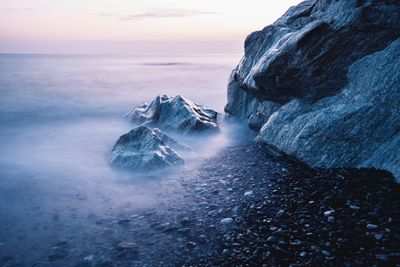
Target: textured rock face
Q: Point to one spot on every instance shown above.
(327, 73)
(146, 149)
(307, 52)
(358, 127)
(175, 113)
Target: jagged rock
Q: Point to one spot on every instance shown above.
(307, 52)
(333, 66)
(358, 127)
(175, 113)
(146, 149)
(170, 141)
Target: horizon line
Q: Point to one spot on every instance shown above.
(116, 54)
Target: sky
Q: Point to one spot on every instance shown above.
(133, 26)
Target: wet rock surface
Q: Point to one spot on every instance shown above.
(176, 113)
(248, 206)
(146, 149)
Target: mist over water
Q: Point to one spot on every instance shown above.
(60, 116)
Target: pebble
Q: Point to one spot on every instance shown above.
(272, 239)
(381, 257)
(248, 194)
(277, 233)
(354, 207)
(371, 226)
(378, 236)
(325, 253)
(226, 221)
(280, 213)
(329, 212)
(296, 242)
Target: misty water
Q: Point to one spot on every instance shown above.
(60, 115)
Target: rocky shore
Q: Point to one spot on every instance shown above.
(229, 213)
(291, 215)
(321, 85)
(281, 213)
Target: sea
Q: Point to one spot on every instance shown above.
(60, 116)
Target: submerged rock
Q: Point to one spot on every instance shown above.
(146, 149)
(175, 113)
(323, 80)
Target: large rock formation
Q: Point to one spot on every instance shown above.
(358, 127)
(146, 149)
(334, 68)
(175, 113)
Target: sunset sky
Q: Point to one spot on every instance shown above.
(133, 26)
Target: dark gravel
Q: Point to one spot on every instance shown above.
(304, 217)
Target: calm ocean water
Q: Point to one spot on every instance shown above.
(59, 118)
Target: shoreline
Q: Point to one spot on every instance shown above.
(230, 213)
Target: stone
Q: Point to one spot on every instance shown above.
(323, 81)
(176, 113)
(371, 226)
(306, 52)
(382, 257)
(354, 207)
(170, 141)
(226, 221)
(325, 253)
(358, 127)
(145, 149)
(248, 194)
(280, 213)
(379, 236)
(329, 212)
(271, 240)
